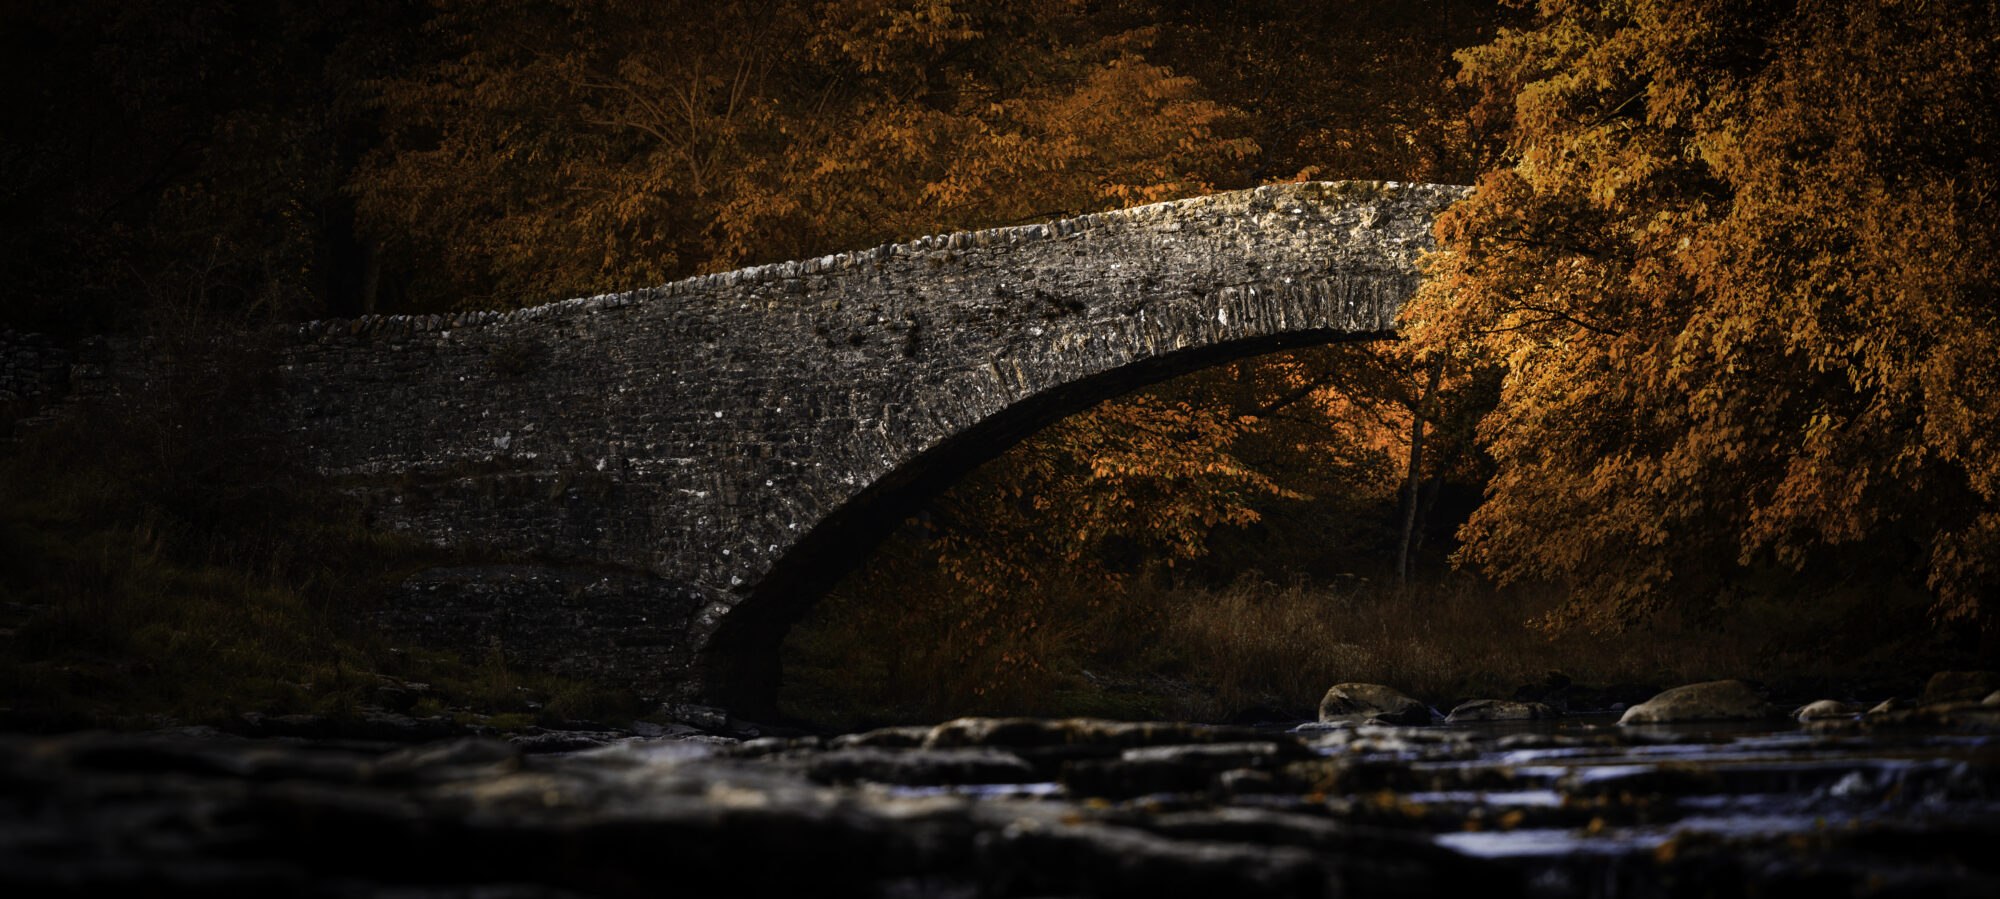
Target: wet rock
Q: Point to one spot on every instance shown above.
(1218, 755)
(1094, 859)
(1431, 744)
(707, 718)
(462, 817)
(1118, 779)
(1892, 704)
(1723, 700)
(1310, 728)
(1959, 716)
(1826, 708)
(1538, 741)
(1499, 710)
(887, 737)
(568, 740)
(1372, 775)
(1362, 860)
(1836, 862)
(1639, 780)
(1170, 769)
(1090, 736)
(649, 729)
(1371, 702)
(1156, 810)
(770, 746)
(1829, 726)
(1010, 732)
(918, 767)
(1960, 686)
(1249, 781)
(1992, 698)
(444, 761)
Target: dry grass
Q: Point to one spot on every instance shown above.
(1210, 653)
(1256, 643)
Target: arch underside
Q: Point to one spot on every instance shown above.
(739, 665)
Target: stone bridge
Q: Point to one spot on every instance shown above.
(668, 478)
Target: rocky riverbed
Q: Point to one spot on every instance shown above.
(1893, 804)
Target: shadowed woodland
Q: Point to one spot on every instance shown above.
(1701, 381)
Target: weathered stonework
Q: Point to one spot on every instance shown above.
(733, 442)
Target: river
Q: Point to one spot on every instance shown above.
(1022, 807)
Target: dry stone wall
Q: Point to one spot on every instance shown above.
(722, 446)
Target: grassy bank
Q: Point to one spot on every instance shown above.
(1263, 648)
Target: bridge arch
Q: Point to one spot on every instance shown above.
(739, 665)
(669, 470)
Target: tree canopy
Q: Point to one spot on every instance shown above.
(1740, 270)
(562, 147)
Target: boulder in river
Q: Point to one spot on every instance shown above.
(1960, 686)
(1499, 710)
(1371, 702)
(1826, 708)
(1892, 704)
(1050, 733)
(1721, 700)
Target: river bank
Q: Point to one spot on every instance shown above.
(1258, 650)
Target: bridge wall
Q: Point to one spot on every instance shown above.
(682, 468)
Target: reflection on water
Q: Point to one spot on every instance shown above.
(1587, 805)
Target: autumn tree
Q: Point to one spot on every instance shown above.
(1357, 89)
(1740, 270)
(560, 147)
(1338, 90)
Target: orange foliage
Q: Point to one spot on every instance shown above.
(561, 147)
(1150, 482)
(1741, 273)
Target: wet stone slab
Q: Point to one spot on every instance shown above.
(1015, 807)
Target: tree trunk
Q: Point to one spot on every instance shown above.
(1429, 494)
(1418, 411)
